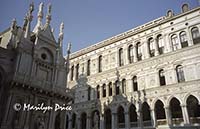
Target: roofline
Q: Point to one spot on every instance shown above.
(129, 33)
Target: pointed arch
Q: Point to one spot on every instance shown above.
(176, 111)
(121, 117)
(108, 118)
(193, 108)
(132, 116)
(146, 114)
(83, 120)
(160, 112)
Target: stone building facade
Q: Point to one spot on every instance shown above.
(146, 77)
(32, 71)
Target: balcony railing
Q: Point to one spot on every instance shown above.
(194, 120)
(147, 123)
(133, 124)
(161, 122)
(177, 121)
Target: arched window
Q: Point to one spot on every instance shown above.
(193, 108)
(121, 59)
(139, 51)
(160, 113)
(121, 118)
(108, 119)
(117, 87)
(72, 73)
(104, 90)
(175, 43)
(176, 111)
(183, 39)
(135, 84)
(77, 71)
(88, 68)
(162, 77)
(98, 92)
(83, 120)
(180, 73)
(146, 114)
(195, 35)
(74, 120)
(133, 116)
(123, 86)
(151, 47)
(130, 54)
(100, 64)
(160, 44)
(110, 88)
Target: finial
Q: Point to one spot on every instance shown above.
(25, 22)
(61, 28)
(31, 7)
(14, 24)
(29, 18)
(49, 9)
(40, 16)
(48, 17)
(69, 48)
(52, 30)
(40, 12)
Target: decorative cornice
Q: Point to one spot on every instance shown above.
(129, 33)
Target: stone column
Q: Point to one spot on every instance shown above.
(70, 122)
(101, 121)
(189, 37)
(127, 120)
(155, 43)
(179, 41)
(88, 125)
(139, 118)
(168, 116)
(147, 48)
(129, 86)
(114, 120)
(126, 61)
(101, 92)
(135, 53)
(107, 90)
(170, 46)
(79, 122)
(153, 118)
(113, 89)
(185, 114)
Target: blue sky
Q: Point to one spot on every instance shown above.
(90, 21)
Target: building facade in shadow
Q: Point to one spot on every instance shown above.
(32, 71)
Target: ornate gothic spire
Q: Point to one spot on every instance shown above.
(48, 17)
(29, 18)
(61, 34)
(69, 48)
(68, 55)
(40, 16)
